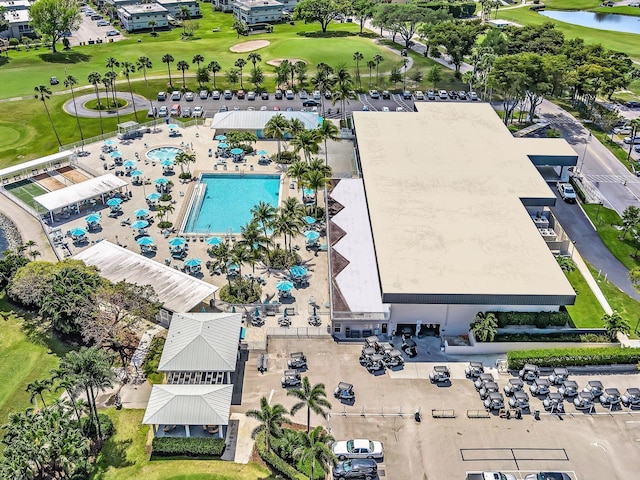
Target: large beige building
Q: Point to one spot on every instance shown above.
(441, 224)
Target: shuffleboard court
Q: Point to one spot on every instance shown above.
(72, 174)
(25, 190)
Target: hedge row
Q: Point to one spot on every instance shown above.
(538, 319)
(456, 10)
(551, 337)
(275, 462)
(576, 357)
(187, 447)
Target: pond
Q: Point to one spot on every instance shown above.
(601, 21)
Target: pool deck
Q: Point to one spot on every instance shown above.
(198, 139)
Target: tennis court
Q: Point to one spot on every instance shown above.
(72, 174)
(51, 183)
(25, 190)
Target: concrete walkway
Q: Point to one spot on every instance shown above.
(141, 106)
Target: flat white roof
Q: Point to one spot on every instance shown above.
(188, 405)
(256, 120)
(445, 188)
(146, 8)
(358, 281)
(35, 163)
(76, 193)
(17, 16)
(176, 290)
(204, 342)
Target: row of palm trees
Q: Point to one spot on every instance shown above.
(373, 63)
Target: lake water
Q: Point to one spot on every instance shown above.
(600, 21)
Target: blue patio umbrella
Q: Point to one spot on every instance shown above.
(308, 192)
(114, 202)
(237, 151)
(214, 241)
(172, 126)
(167, 163)
(129, 163)
(115, 154)
(298, 271)
(139, 224)
(177, 242)
(220, 138)
(92, 218)
(161, 181)
(309, 220)
(141, 212)
(311, 235)
(109, 143)
(223, 145)
(154, 196)
(262, 152)
(284, 285)
(145, 241)
(137, 173)
(192, 262)
(78, 232)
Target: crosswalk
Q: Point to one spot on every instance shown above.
(611, 179)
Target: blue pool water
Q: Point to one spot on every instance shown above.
(164, 153)
(601, 21)
(226, 203)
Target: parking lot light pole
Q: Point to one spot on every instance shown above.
(584, 153)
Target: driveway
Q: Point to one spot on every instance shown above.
(141, 105)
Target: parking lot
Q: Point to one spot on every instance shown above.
(602, 445)
(90, 31)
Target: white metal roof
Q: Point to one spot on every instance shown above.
(188, 405)
(358, 281)
(35, 163)
(177, 291)
(76, 193)
(256, 120)
(205, 342)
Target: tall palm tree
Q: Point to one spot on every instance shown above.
(43, 93)
(294, 209)
(264, 213)
(240, 63)
(320, 166)
(343, 84)
(255, 241)
(144, 63)
(254, 58)
(214, 67)
(109, 80)
(297, 170)
(127, 69)
(168, 59)
(239, 255)
(271, 420)
(111, 63)
(357, 56)
(307, 141)
(314, 398)
(314, 446)
(37, 388)
(184, 158)
(370, 64)
(316, 180)
(276, 128)
(197, 59)
(378, 59)
(70, 81)
(183, 66)
(94, 78)
(328, 131)
(222, 254)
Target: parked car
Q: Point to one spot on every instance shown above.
(386, 94)
(290, 95)
(610, 397)
(473, 96)
(553, 402)
(474, 370)
(407, 95)
(112, 33)
(186, 112)
(583, 401)
(559, 375)
(162, 96)
(303, 95)
(443, 95)
(197, 112)
(224, 108)
(189, 96)
(311, 103)
(419, 95)
(365, 108)
(529, 372)
(317, 95)
(278, 95)
(520, 400)
(240, 94)
(163, 112)
(548, 476)
(204, 94)
(251, 96)
(633, 104)
(152, 112)
(632, 140)
(102, 23)
(569, 388)
(623, 130)
(357, 468)
(215, 95)
(566, 191)
(374, 94)
(328, 94)
(462, 95)
(96, 16)
(631, 397)
(263, 108)
(513, 385)
(385, 109)
(540, 386)
(495, 401)
(453, 95)
(357, 448)
(431, 95)
(264, 95)
(228, 95)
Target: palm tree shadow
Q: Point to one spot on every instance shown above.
(65, 57)
(115, 454)
(4, 60)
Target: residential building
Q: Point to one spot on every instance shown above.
(137, 17)
(173, 7)
(251, 12)
(19, 25)
(16, 4)
(223, 5)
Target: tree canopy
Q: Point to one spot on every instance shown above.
(52, 18)
(322, 11)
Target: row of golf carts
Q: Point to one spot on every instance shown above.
(376, 356)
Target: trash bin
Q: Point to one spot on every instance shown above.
(536, 414)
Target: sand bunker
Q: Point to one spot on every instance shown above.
(249, 46)
(277, 61)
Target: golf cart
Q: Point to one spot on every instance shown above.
(487, 389)
(610, 397)
(344, 391)
(393, 359)
(482, 379)
(474, 370)
(291, 379)
(372, 341)
(594, 387)
(519, 400)
(569, 388)
(631, 397)
(514, 385)
(495, 401)
(409, 347)
(583, 401)
(440, 374)
(376, 363)
(367, 353)
(385, 347)
(539, 387)
(529, 372)
(297, 361)
(559, 375)
(553, 402)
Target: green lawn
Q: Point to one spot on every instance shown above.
(589, 5)
(587, 311)
(126, 456)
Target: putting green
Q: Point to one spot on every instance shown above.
(12, 135)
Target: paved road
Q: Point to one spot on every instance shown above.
(142, 104)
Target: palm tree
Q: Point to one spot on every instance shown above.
(184, 158)
(614, 324)
(316, 180)
(214, 67)
(37, 388)
(297, 170)
(357, 56)
(343, 84)
(276, 128)
(168, 59)
(378, 60)
(307, 141)
(239, 255)
(314, 398)
(69, 82)
(314, 446)
(43, 93)
(328, 131)
(240, 63)
(109, 79)
(94, 78)
(635, 128)
(183, 66)
(222, 254)
(271, 420)
(370, 64)
(153, 24)
(127, 69)
(254, 58)
(264, 213)
(197, 59)
(255, 241)
(111, 63)
(143, 64)
(320, 166)
(484, 327)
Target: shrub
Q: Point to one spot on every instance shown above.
(275, 462)
(562, 357)
(250, 291)
(552, 337)
(165, 224)
(184, 176)
(106, 426)
(577, 186)
(538, 319)
(187, 447)
(281, 259)
(165, 197)
(594, 338)
(152, 360)
(285, 157)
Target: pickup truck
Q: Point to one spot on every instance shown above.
(490, 476)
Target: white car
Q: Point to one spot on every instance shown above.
(624, 130)
(632, 140)
(358, 448)
(473, 96)
(189, 96)
(566, 191)
(176, 95)
(197, 112)
(419, 95)
(163, 112)
(317, 95)
(385, 109)
(443, 94)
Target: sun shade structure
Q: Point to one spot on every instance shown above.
(76, 193)
(256, 120)
(54, 160)
(177, 291)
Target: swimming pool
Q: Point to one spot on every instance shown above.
(223, 203)
(163, 153)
